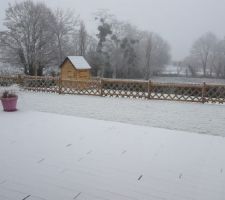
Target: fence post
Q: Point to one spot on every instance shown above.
(149, 89)
(203, 92)
(60, 86)
(101, 87)
(19, 80)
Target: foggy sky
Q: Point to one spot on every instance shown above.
(180, 22)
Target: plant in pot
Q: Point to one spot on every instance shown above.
(9, 101)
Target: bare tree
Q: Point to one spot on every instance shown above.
(28, 39)
(122, 47)
(104, 31)
(190, 66)
(155, 54)
(91, 54)
(203, 49)
(81, 40)
(217, 61)
(64, 26)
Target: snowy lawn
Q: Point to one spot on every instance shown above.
(192, 117)
(55, 157)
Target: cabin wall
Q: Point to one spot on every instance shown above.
(68, 72)
(83, 74)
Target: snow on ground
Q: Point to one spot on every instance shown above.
(192, 117)
(53, 157)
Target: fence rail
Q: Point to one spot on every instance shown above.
(204, 93)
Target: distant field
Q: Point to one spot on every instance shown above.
(188, 80)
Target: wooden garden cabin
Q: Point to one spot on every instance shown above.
(74, 68)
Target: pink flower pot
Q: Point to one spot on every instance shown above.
(9, 104)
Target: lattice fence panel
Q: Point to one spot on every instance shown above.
(6, 81)
(215, 93)
(176, 92)
(81, 87)
(129, 89)
(121, 88)
(43, 84)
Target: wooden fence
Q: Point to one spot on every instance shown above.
(204, 93)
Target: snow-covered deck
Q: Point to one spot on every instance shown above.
(55, 157)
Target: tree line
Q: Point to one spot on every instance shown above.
(207, 57)
(37, 38)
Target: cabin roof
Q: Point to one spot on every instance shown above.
(78, 62)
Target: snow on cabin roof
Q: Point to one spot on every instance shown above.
(79, 62)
